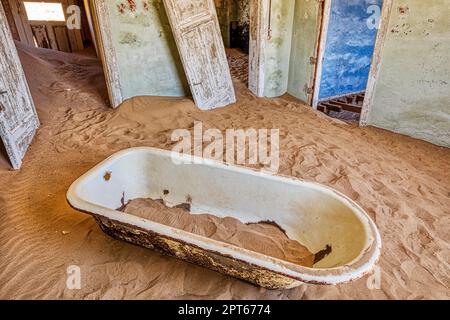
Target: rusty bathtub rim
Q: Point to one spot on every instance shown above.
(353, 270)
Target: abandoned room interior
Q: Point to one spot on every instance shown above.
(344, 194)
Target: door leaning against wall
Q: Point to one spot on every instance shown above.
(18, 118)
(197, 35)
(44, 24)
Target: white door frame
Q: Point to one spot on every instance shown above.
(322, 45)
(376, 59)
(259, 32)
(106, 52)
(376, 62)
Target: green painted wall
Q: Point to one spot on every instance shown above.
(412, 93)
(278, 48)
(149, 63)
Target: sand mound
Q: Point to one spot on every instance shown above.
(264, 238)
(404, 184)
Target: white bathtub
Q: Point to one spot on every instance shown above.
(310, 213)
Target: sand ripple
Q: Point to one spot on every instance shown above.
(404, 184)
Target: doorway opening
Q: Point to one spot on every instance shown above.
(39, 41)
(63, 26)
(348, 38)
(234, 21)
(60, 25)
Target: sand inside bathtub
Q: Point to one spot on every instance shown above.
(264, 237)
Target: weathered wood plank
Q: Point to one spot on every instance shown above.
(346, 106)
(326, 106)
(62, 38)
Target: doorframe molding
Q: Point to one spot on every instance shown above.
(25, 33)
(376, 62)
(321, 51)
(259, 31)
(376, 58)
(89, 18)
(106, 51)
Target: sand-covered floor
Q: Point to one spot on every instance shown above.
(403, 183)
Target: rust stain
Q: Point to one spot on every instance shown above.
(191, 253)
(122, 202)
(403, 9)
(188, 252)
(107, 176)
(319, 256)
(184, 206)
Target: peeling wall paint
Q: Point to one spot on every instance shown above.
(147, 56)
(278, 48)
(243, 12)
(243, 21)
(412, 92)
(349, 48)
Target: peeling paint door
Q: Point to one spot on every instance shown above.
(197, 33)
(305, 44)
(18, 118)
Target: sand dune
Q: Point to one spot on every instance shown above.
(403, 183)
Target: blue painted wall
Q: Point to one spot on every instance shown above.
(349, 48)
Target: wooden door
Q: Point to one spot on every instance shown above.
(197, 33)
(305, 46)
(18, 118)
